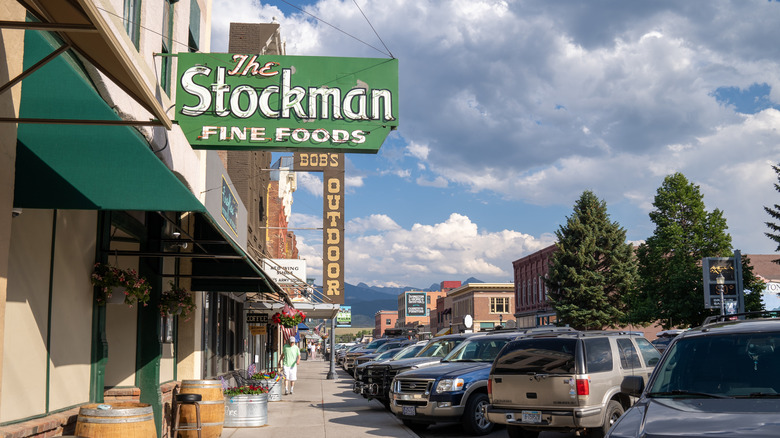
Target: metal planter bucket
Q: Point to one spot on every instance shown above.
(274, 389)
(246, 410)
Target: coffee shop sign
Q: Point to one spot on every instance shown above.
(234, 101)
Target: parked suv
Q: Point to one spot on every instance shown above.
(720, 379)
(349, 359)
(455, 390)
(566, 381)
(376, 381)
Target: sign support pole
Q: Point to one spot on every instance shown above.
(332, 371)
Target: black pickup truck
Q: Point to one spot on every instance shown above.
(375, 381)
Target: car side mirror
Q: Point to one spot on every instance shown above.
(632, 385)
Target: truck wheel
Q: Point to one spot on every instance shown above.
(415, 426)
(473, 419)
(519, 432)
(614, 411)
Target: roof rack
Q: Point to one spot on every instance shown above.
(722, 318)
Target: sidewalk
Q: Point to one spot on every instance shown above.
(324, 408)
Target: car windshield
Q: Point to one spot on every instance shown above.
(538, 356)
(387, 346)
(387, 354)
(733, 365)
(476, 350)
(439, 348)
(375, 344)
(409, 351)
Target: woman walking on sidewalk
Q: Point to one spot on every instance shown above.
(291, 357)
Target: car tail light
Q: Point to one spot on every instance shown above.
(583, 387)
(490, 388)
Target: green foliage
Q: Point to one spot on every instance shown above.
(670, 260)
(775, 213)
(592, 269)
(754, 285)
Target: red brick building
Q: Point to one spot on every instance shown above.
(441, 314)
(489, 304)
(384, 319)
(531, 306)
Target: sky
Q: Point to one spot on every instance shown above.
(509, 110)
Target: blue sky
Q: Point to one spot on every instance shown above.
(509, 110)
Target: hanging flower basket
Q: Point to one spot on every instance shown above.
(106, 278)
(177, 301)
(289, 317)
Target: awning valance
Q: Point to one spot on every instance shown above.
(82, 27)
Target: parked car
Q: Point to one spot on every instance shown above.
(720, 379)
(349, 359)
(455, 390)
(566, 381)
(376, 381)
(664, 338)
(388, 355)
(342, 354)
(398, 343)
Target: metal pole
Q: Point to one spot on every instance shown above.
(332, 371)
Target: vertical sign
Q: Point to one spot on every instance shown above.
(229, 206)
(344, 316)
(723, 273)
(332, 167)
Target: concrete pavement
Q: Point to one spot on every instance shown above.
(324, 408)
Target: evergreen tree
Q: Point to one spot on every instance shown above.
(670, 260)
(754, 285)
(775, 213)
(592, 268)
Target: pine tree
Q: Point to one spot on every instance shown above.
(753, 284)
(592, 268)
(775, 213)
(670, 260)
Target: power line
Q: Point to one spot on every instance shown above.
(345, 33)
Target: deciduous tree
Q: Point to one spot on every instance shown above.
(670, 260)
(592, 268)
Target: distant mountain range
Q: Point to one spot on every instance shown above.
(367, 300)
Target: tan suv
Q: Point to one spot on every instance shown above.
(566, 381)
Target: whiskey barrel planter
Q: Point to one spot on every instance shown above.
(116, 420)
(246, 410)
(212, 408)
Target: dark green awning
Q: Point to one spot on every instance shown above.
(97, 167)
(84, 167)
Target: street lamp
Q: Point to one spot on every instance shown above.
(721, 281)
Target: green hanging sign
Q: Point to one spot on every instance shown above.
(286, 103)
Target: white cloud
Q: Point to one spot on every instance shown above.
(423, 254)
(570, 95)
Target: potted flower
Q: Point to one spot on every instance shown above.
(246, 406)
(272, 381)
(106, 278)
(176, 301)
(289, 317)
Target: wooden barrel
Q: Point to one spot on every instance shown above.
(212, 408)
(116, 420)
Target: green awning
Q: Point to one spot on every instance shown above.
(97, 167)
(84, 167)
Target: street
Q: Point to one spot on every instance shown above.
(456, 431)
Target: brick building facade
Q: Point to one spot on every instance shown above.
(383, 320)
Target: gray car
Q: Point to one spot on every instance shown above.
(721, 379)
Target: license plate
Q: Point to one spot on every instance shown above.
(409, 410)
(531, 417)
